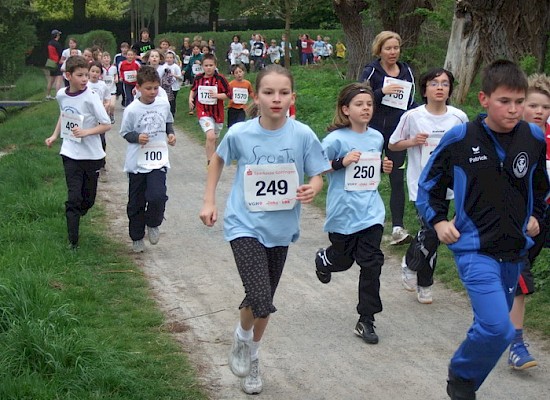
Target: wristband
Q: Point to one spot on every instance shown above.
(338, 164)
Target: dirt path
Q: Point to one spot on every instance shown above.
(309, 351)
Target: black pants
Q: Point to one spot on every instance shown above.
(146, 201)
(397, 183)
(128, 95)
(81, 177)
(421, 255)
(364, 248)
(173, 103)
(235, 115)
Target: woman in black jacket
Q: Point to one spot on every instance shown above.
(393, 84)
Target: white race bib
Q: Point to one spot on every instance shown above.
(130, 76)
(398, 100)
(207, 95)
(304, 45)
(153, 155)
(427, 150)
(365, 174)
(197, 69)
(270, 187)
(258, 52)
(186, 59)
(240, 95)
(109, 80)
(68, 122)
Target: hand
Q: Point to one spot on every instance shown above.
(191, 105)
(387, 165)
(208, 214)
(351, 157)
(420, 139)
(394, 88)
(78, 132)
(172, 139)
(49, 141)
(143, 138)
(533, 228)
(305, 194)
(446, 232)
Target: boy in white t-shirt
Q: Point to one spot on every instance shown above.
(419, 131)
(147, 127)
(82, 119)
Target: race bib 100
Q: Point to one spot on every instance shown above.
(153, 155)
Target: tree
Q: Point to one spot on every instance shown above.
(350, 14)
(485, 30)
(79, 10)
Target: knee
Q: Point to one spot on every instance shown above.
(498, 334)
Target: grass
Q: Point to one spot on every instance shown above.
(83, 325)
(72, 325)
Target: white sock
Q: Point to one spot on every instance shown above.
(395, 228)
(244, 334)
(254, 350)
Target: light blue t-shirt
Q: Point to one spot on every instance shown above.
(250, 144)
(351, 211)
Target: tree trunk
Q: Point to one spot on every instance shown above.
(288, 22)
(213, 14)
(495, 29)
(399, 16)
(163, 15)
(356, 34)
(79, 10)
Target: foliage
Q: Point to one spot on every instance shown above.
(16, 20)
(103, 39)
(529, 64)
(61, 9)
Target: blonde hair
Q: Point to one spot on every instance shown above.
(347, 94)
(382, 38)
(539, 83)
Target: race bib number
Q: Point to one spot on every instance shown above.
(130, 76)
(304, 45)
(68, 123)
(186, 59)
(207, 95)
(240, 95)
(397, 100)
(109, 80)
(258, 52)
(197, 69)
(153, 155)
(270, 187)
(365, 174)
(427, 150)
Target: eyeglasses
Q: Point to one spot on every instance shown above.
(444, 84)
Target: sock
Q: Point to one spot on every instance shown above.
(395, 228)
(254, 350)
(519, 336)
(244, 334)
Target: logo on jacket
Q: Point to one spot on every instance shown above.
(475, 150)
(521, 165)
(476, 156)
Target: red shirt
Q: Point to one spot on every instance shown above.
(126, 66)
(215, 110)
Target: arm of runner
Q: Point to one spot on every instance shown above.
(209, 211)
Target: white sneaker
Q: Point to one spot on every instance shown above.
(424, 294)
(408, 277)
(400, 236)
(253, 384)
(138, 246)
(239, 357)
(153, 234)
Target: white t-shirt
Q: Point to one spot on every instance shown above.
(102, 90)
(419, 120)
(110, 72)
(274, 53)
(176, 73)
(245, 56)
(144, 118)
(88, 105)
(250, 144)
(67, 53)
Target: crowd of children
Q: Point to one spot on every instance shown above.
(261, 219)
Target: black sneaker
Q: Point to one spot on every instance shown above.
(460, 389)
(365, 330)
(321, 262)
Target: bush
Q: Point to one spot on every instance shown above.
(104, 39)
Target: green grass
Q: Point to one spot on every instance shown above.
(73, 325)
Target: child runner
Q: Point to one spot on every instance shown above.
(88, 55)
(285, 46)
(194, 66)
(257, 52)
(172, 69)
(537, 111)
(82, 119)
(241, 91)
(209, 91)
(143, 45)
(117, 60)
(147, 126)
(496, 168)
(419, 131)
(260, 235)
(355, 210)
(110, 77)
(274, 52)
(245, 57)
(73, 45)
(98, 86)
(128, 73)
(235, 51)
